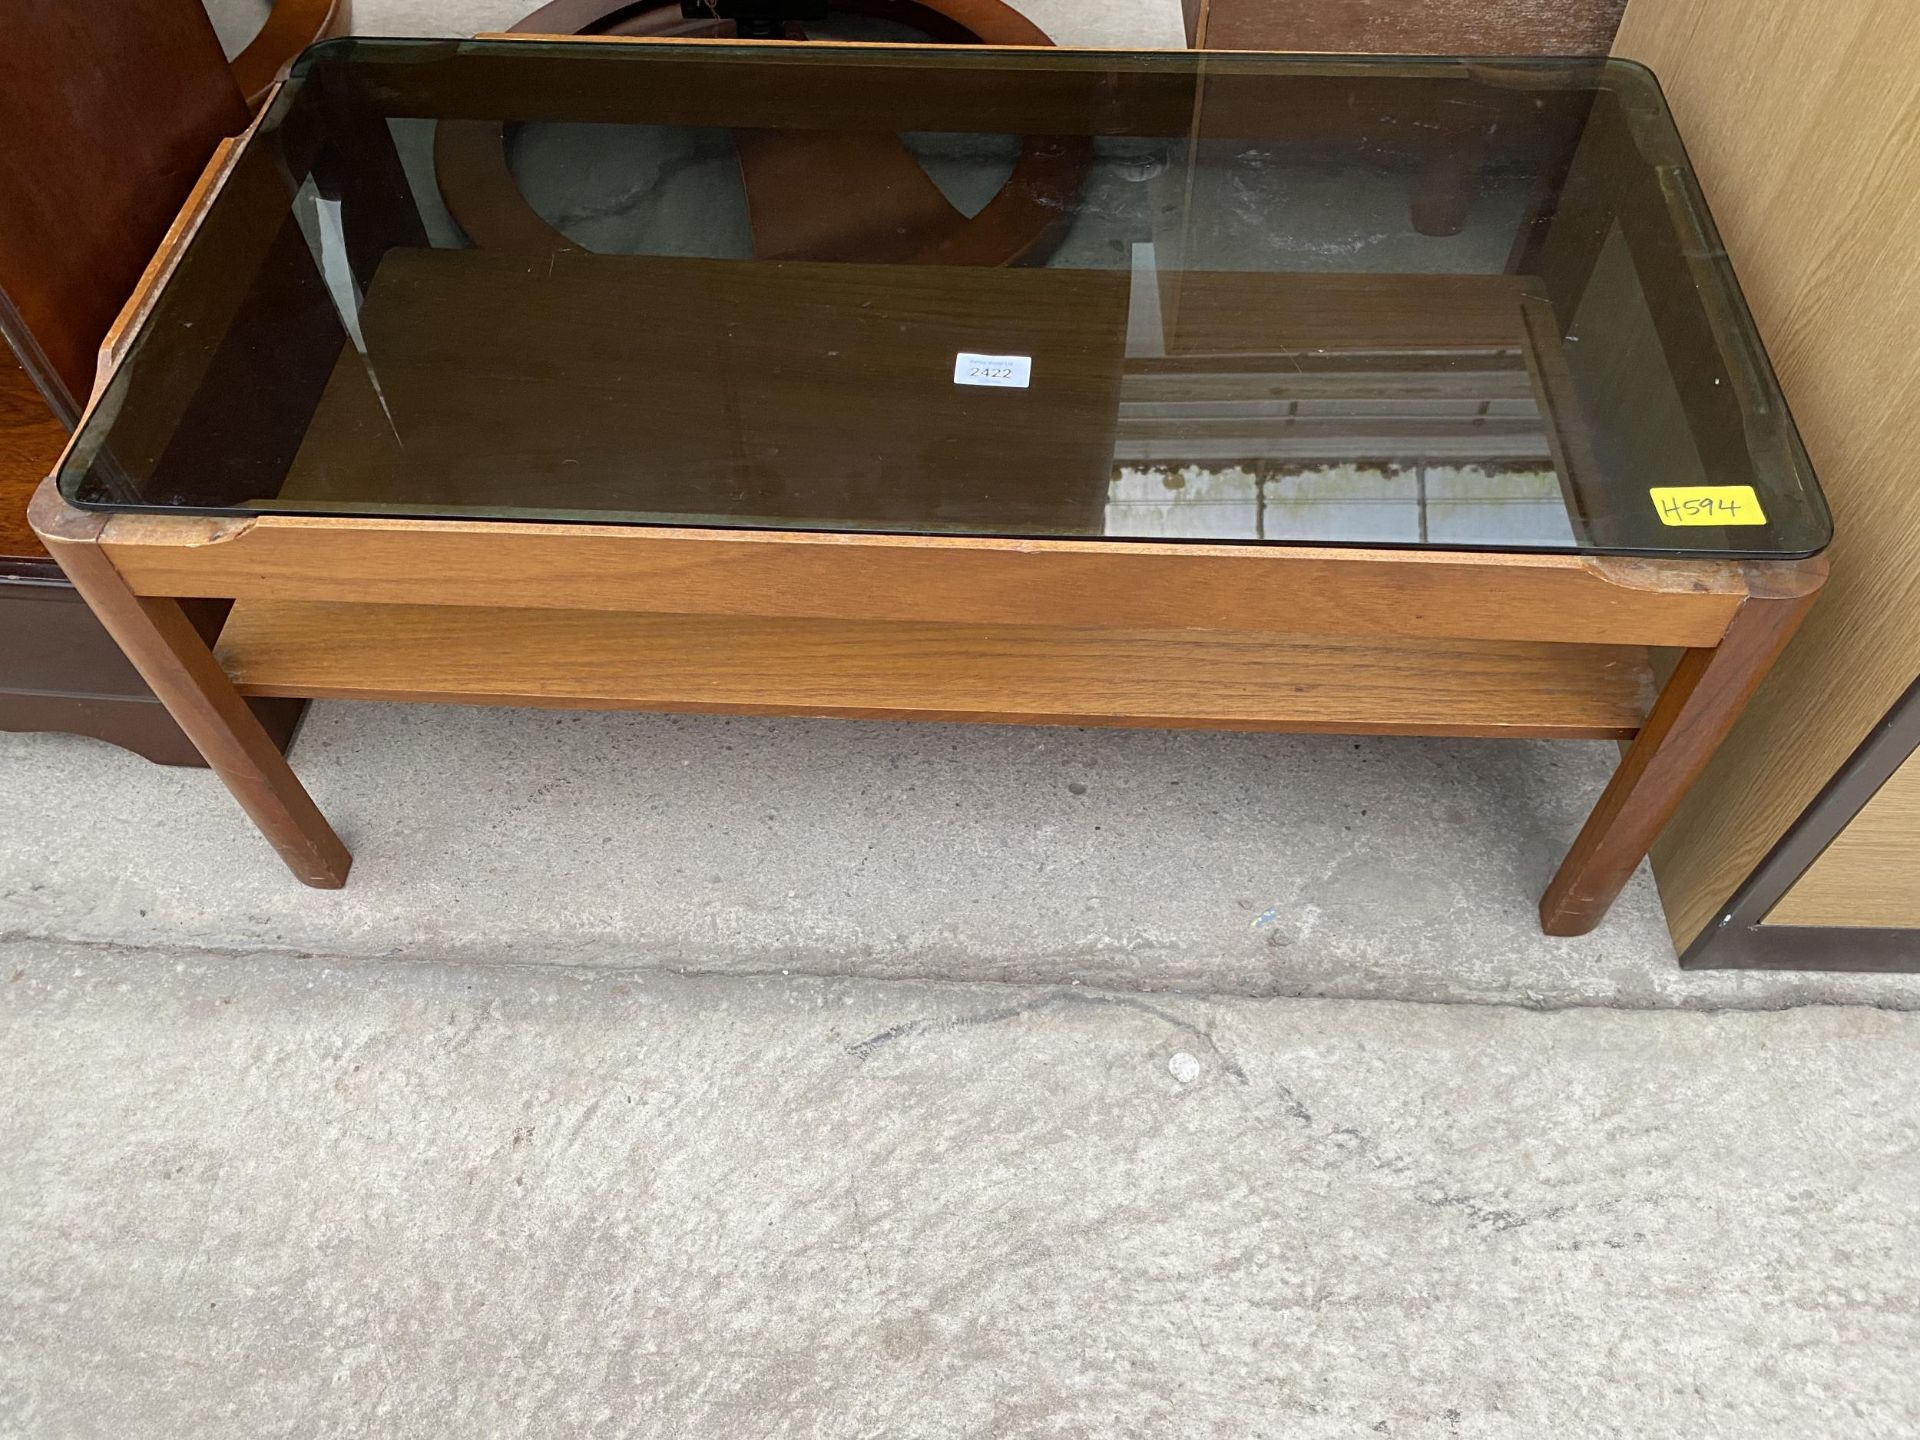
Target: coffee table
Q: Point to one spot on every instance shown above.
(1369, 396)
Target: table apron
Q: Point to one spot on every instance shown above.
(1094, 584)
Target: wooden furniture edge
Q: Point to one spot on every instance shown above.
(59, 524)
(166, 258)
(727, 42)
(1102, 583)
(1704, 696)
(1679, 576)
(1799, 579)
(47, 505)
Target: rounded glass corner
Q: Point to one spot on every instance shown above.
(77, 480)
(340, 48)
(1624, 73)
(1635, 87)
(1819, 533)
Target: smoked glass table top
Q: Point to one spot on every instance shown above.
(947, 290)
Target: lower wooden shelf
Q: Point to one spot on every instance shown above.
(1032, 674)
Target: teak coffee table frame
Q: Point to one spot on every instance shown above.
(1075, 632)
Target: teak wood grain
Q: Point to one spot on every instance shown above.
(1036, 674)
(1793, 110)
(1215, 313)
(1702, 698)
(673, 385)
(1105, 584)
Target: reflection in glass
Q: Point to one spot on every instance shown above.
(1282, 300)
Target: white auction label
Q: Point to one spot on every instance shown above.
(1013, 371)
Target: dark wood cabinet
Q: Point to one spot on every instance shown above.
(107, 115)
(58, 669)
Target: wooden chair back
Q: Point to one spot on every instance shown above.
(108, 113)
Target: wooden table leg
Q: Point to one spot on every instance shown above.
(1702, 699)
(175, 662)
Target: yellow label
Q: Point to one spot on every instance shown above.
(1708, 505)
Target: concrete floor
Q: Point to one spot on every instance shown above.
(684, 1076)
(264, 1196)
(1264, 865)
